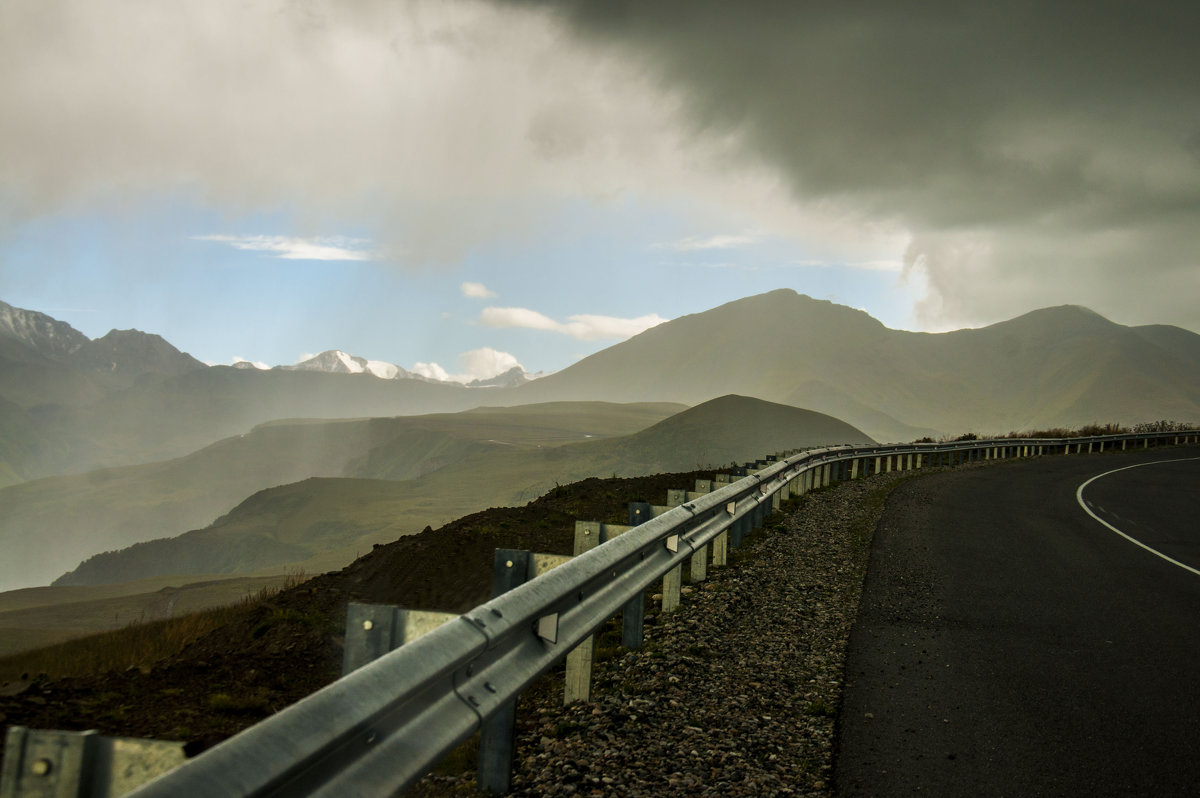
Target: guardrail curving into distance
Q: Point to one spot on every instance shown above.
(381, 727)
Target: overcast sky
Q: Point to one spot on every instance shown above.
(469, 185)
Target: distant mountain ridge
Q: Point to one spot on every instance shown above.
(1063, 366)
(335, 361)
(70, 404)
(123, 355)
(510, 379)
(128, 354)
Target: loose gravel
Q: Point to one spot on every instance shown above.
(736, 693)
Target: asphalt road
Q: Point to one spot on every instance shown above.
(1008, 643)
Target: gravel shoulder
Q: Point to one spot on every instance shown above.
(737, 693)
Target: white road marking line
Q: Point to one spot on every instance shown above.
(1087, 509)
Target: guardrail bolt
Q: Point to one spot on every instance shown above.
(41, 767)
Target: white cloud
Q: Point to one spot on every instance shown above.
(584, 327)
(590, 328)
(430, 370)
(484, 363)
(517, 317)
(712, 242)
(292, 248)
(477, 291)
(477, 364)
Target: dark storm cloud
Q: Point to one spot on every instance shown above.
(1046, 145)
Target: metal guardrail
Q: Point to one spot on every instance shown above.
(379, 729)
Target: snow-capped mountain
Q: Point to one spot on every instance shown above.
(335, 361)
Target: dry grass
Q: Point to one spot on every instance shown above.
(1061, 432)
(139, 645)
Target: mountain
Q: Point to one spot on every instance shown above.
(44, 335)
(69, 404)
(510, 379)
(321, 522)
(122, 356)
(1063, 366)
(33, 348)
(112, 412)
(728, 429)
(335, 361)
(49, 371)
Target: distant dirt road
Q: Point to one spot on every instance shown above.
(1009, 643)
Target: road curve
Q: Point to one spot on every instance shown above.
(1009, 643)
